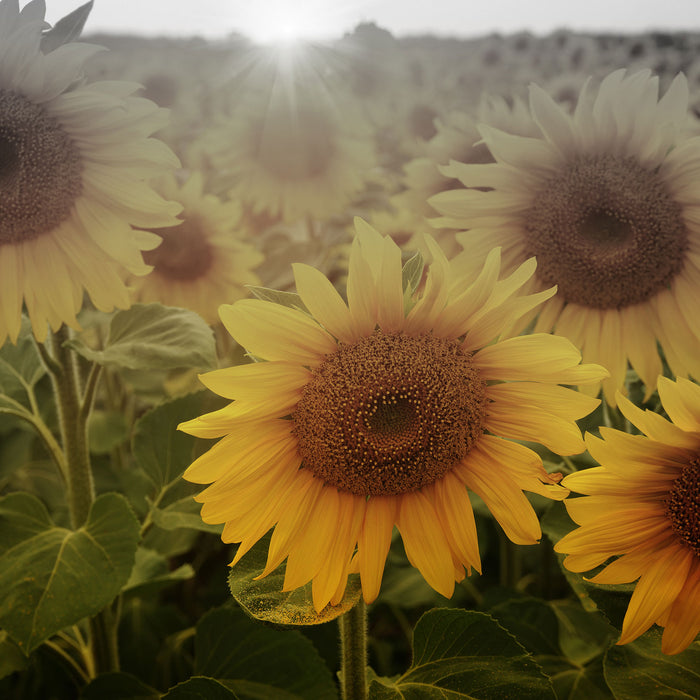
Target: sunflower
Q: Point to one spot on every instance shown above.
(607, 200)
(74, 158)
(203, 261)
(456, 138)
(382, 412)
(294, 155)
(642, 506)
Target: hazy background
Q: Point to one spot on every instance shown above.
(271, 20)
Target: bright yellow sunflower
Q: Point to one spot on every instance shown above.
(203, 261)
(643, 508)
(74, 164)
(382, 412)
(607, 200)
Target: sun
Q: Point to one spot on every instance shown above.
(284, 22)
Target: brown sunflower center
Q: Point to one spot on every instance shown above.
(390, 413)
(184, 255)
(40, 170)
(683, 506)
(295, 146)
(607, 232)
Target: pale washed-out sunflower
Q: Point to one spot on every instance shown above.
(642, 507)
(382, 412)
(75, 159)
(607, 200)
(457, 138)
(203, 261)
(304, 154)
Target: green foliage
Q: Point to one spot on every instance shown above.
(118, 686)
(197, 688)
(153, 337)
(265, 600)
(20, 369)
(463, 654)
(11, 657)
(152, 573)
(162, 451)
(639, 669)
(53, 577)
(106, 430)
(257, 661)
(183, 513)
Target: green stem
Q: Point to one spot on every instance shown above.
(58, 649)
(510, 569)
(73, 422)
(104, 640)
(353, 649)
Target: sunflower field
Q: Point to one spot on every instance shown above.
(358, 369)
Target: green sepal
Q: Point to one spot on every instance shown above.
(289, 299)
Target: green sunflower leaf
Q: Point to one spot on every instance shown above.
(52, 577)
(464, 654)
(20, 366)
(154, 337)
(183, 513)
(639, 669)
(152, 572)
(256, 661)
(201, 688)
(581, 683)
(11, 657)
(289, 299)
(159, 448)
(106, 430)
(67, 28)
(117, 686)
(265, 600)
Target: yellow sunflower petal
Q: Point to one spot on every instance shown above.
(256, 380)
(683, 622)
(655, 591)
(538, 357)
(657, 427)
(323, 301)
(424, 542)
(374, 542)
(275, 332)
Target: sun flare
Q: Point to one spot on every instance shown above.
(282, 22)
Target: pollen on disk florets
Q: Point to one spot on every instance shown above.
(390, 413)
(683, 506)
(40, 170)
(607, 232)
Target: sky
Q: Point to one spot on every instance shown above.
(272, 20)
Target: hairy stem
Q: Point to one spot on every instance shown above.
(353, 649)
